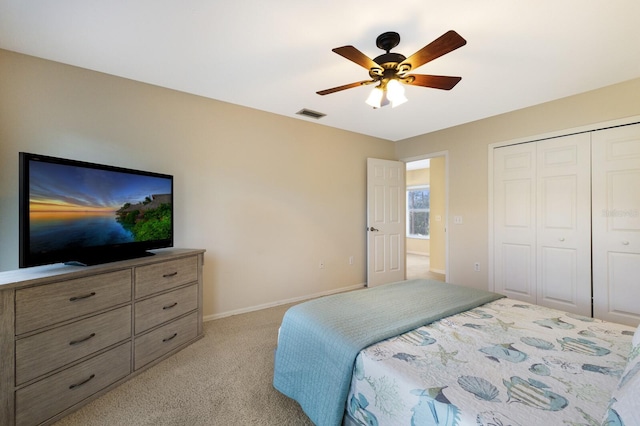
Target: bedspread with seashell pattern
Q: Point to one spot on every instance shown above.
(504, 363)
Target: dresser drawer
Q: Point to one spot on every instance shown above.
(44, 352)
(46, 398)
(154, 344)
(37, 307)
(165, 307)
(164, 276)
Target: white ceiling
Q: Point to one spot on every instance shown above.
(274, 55)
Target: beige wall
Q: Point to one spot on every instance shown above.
(417, 177)
(467, 146)
(264, 194)
(247, 188)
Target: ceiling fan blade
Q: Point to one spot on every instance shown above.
(446, 43)
(346, 86)
(434, 81)
(354, 55)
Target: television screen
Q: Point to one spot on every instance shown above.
(85, 213)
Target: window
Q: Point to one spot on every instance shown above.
(418, 211)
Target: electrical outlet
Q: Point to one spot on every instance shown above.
(321, 265)
(476, 266)
(457, 220)
(350, 260)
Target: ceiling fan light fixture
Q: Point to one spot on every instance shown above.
(395, 93)
(391, 92)
(375, 97)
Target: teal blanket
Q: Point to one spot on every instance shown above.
(320, 339)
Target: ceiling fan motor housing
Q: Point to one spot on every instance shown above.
(388, 61)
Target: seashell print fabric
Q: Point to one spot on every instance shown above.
(504, 363)
(624, 406)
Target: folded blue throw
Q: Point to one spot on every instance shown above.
(320, 339)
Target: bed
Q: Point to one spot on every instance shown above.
(423, 352)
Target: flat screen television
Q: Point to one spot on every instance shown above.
(84, 213)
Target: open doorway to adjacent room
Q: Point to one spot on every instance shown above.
(426, 237)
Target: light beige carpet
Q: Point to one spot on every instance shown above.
(223, 379)
(419, 267)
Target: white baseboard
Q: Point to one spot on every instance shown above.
(437, 271)
(281, 302)
(418, 253)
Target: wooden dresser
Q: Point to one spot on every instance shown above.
(70, 333)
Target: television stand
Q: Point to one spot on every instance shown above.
(69, 334)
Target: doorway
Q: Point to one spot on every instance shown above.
(426, 236)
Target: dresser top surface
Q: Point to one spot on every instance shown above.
(31, 276)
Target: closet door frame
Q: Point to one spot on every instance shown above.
(541, 137)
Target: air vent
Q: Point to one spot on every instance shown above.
(313, 114)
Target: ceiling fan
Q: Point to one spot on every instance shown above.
(391, 69)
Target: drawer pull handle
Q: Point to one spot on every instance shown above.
(75, 342)
(86, 296)
(82, 383)
(170, 338)
(173, 274)
(170, 306)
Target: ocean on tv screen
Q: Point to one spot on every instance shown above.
(74, 207)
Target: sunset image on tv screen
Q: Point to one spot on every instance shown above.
(71, 206)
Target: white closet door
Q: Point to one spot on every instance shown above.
(616, 224)
(514, 215)
(563, 224)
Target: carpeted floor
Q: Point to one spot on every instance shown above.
(418, 267)
(223, 379)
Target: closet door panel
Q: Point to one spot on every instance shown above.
(564, 223)
(616, 224)
(624, 270)
(557, 277)
(514, 222)
(516, 271)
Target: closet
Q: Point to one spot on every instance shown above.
(566, 222)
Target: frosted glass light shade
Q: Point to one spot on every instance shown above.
(375, 97)
(395, 93)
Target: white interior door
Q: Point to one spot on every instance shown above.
(385, 221)
(564, 223)
(616, 224)
(514, 213)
